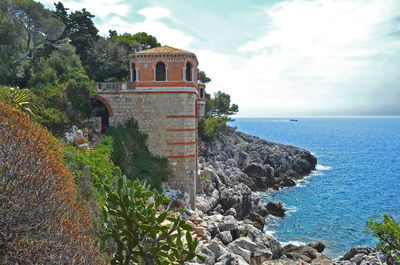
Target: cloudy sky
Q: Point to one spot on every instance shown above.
(277, 57)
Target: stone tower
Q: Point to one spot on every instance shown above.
(163, 96)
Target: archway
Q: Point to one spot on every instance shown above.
(102, 109)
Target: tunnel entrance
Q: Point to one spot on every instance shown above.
(101, 110)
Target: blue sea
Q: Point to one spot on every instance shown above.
(358, 176)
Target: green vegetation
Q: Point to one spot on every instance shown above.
(51, 58)
(218, 110)
(203, 77)
(134, 158)
(144, 234)
(388, 233)
(19, 99)
(56, 55)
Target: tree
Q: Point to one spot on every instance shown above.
(61, 14)
(82, 33)
(203, 77)
(41, 222)
(388, 233)
(220, 105)
(38, 23)
(142, 41)
(218, 110)
(142, 230)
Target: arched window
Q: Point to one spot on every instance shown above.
(160, 72)
(188, 72)
(133, 73)
(201, 93)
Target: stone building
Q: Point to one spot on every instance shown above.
(163, 95)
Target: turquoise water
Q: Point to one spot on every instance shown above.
(358, 175)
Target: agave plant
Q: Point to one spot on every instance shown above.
(19, 99)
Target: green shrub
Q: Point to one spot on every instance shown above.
(143, 232)
(209, 127)
(134, 158)
(54, 119)
(388, 233)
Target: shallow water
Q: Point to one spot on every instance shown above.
(358, 175)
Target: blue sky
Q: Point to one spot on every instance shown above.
(277, 57)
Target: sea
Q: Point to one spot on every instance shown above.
(357, 176)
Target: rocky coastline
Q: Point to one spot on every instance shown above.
(229, 219)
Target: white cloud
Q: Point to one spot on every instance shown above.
(313, 57)
(320, 56)
(100, 8)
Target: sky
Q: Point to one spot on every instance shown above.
(276, 57)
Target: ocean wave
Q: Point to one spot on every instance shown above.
(290, 209)
(295, 243)
(322, 167)
(269, 232)
(301, 183)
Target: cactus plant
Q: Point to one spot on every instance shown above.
(142, 230)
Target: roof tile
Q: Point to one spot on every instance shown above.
(163, 49)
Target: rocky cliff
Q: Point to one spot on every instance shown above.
(230, 220)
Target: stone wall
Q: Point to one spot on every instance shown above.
(169, 118)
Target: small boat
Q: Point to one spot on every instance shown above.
(293, 120)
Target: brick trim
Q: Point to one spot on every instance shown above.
(147, 92)
(181, 143)
(182, 116)
(186, 156)
(181, 130)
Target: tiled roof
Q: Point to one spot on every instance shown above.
(163, 49)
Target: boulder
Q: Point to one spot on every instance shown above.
(178, 198)
(276, 209)
(242, 159)
(355, 251)
(256, 220)
(207, 203)
(319, 246)
(244, 253)
(226, 237)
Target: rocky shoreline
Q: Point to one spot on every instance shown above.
(229, 219)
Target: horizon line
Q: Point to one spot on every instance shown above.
(314, 116)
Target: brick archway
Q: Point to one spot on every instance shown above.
(108, 106)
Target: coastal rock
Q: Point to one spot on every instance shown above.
(265, 164)
(255, 219)
(319, 246)
(178, 198)
(263, 175)
(276, 209)
(231, 168)
(226, 237)
(356, 251)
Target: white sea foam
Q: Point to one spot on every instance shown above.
(322, 167)
(295, 243)
(269, 233)
(304, 181)
(290, 209)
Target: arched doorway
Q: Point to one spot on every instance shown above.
(102, 110)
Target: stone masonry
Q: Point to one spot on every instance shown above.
(163, 96)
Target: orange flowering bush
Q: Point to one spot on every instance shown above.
(40, 220)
